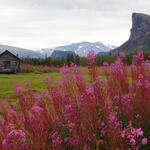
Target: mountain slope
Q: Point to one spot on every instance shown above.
(60, 54)
(20, 52)
(83, 48)
(140, 34)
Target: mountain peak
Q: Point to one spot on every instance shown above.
(139, 35)
(140, 25)
(144, 16)
(82, 48)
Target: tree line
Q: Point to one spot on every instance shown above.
(80, 61)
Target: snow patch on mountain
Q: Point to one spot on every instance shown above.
(81, 48)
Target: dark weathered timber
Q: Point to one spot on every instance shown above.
(9, 63)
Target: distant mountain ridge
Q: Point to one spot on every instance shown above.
(60, 54)
(83, 48)
(20, 52)
(80, 48)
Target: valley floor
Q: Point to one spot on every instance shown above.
(36, 81)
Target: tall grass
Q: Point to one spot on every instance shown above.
(26, 68)
(106, 114)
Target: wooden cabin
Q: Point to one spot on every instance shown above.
(9, 63)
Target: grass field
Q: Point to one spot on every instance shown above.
(36, 80)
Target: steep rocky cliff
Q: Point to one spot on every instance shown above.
(140, 34)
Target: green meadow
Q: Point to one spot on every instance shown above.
(36, 81)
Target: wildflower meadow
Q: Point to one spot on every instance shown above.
(27, 68)
(109, 113)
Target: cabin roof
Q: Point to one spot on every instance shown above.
(11, 54)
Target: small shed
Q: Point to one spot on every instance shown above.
(9, 63)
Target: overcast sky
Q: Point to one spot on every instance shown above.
(36, 24)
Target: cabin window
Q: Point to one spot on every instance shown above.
(6, 64)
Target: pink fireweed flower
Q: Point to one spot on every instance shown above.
(69, 112)
(17, 88)
(101, 141)
(144, 141)
(138, 59)
(118, 64)
(132, 141)
(15, 133)
(37, 109)
(14, 139)
(105, 64)
(64, 70)
(121, 54)
(56, 141)
(126, 98)
(85, 147)
(139, 132)
(141, 76)
(47, 79)
(4, 143)
(73, 141)
(13, 113)
(91, 58)
(56, 121)
(102, 128)
(138, 116)
(71, 125)
(74, 68)
(89, 91)
(112, 117)
(73, 65)
(27, 84)
(123, 134)
(133, 136)
(68, 108)
(147, 63)
(2, 121)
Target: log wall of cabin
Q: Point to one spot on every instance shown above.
(14, 63)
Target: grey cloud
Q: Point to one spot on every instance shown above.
(102, 5)
(52, 22)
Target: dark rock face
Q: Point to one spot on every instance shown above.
(140, 26)
(61, 54)
(140, 33)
